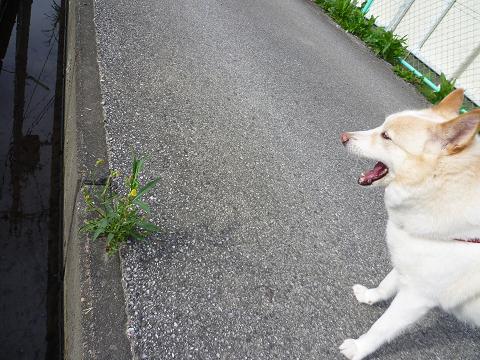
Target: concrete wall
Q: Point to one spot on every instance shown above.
(94, 309)
(444, 34)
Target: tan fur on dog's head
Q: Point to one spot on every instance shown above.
(410, 145)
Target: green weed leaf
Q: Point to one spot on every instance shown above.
(146, 188)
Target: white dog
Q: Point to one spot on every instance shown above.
(429, 161)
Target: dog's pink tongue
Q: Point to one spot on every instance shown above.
(378, 172)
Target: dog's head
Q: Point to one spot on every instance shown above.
(409, 144)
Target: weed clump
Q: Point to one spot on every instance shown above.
(115, 216)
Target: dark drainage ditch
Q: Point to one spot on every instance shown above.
(31, 118)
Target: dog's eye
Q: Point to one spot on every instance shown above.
(385, 136)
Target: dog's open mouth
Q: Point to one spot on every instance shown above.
(370, 176)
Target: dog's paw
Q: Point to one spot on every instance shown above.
(351, 350)
(364, 295)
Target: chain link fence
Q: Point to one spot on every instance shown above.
(443, 36)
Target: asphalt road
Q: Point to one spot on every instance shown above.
(239, 106)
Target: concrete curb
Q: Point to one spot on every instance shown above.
(94, 305)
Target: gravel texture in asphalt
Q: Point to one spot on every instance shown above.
(239, 106)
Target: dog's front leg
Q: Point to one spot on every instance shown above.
(405, 309)
(384, 291)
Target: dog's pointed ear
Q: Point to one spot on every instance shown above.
(451, 104)
(458, 133)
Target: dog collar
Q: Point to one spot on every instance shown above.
(475, 241)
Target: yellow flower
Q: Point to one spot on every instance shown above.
(133, 193)
(100, 162)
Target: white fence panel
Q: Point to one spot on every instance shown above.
(444, 34)
(385, 10)
(416, 28)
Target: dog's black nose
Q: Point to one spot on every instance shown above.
(344, 137)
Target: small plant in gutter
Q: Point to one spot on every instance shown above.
(117, 217)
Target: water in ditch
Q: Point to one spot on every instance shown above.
(31, 115)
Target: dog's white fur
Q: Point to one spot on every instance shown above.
(432, 197)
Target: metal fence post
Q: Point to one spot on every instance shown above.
(435, 24)
(466, 63)
(399, 15)
(367, 6)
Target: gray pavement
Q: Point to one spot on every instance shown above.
(239, 105)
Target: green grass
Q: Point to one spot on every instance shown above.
(446, 87)
(117, 217)
(385, 44)
(407, 75)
